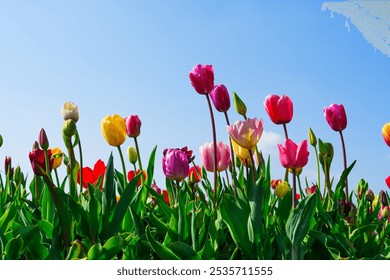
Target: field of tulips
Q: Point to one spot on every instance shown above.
(241, 212)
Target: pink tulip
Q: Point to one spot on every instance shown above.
(336, 117)
(207, 156)
(220, 97)
(133, 126)
(202, 78)
(175, 164)
(246, 133)
(292, 155)
(279, 108)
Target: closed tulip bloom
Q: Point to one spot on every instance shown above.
(175, 164)
(56, 155)
(386, 133)
(220, 97)
(279, 108)
(281, 189)
(37, 160)
(113, 129)
(133, 126)
(207, 156)
(42, 139)
(336, 117)
(70, 111)
(246, 133)
(202, 78)
(292, 155)
(195, 174)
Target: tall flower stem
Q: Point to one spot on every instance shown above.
(232, 156)
(253, 165)
(81, 162)
(286, 135)
(345, 164)
(72, 163)
(294, 191)
(318, 168)
(138, 154)
(215, 149)
(123, 167)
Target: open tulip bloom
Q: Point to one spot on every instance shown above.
(207, 155)
(246, 133)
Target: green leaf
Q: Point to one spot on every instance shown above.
(298, 222)
(107, 252)
(150, 169)
(94, 210)
(162, 251)
(109, 192)
(341, 184)
(14, 248)
(184, 251)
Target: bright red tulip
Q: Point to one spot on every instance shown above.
(175, 164)
(388, 181)
(195, 173)
(336, 117)
(279, 108)
(207, 156)
(131, 174)
(202, 78)
(37, 159)
(91, 176)
(133, 126)
(386, 133)
(292, 155)
(220, 97)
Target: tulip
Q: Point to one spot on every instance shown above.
(37, 160)
(370, 195)
(69, 129)
(56, 156)
(292, 155)
(69, 111)
(175, 164)
(195, 173)
(166, 197)
(312, 137)
(387, 180)
(207, 155)
(91, 176)
(274, 183)
(336, 117)
(131, 174)
(42, 140)
(133, 126)
(113, 129)
(202, 78)
(281, 189)
(246, 133)
(241, 152)
(386, 133)
(132, 154)
(239, 105)
(1, 140)
(279, 108)
(220, 97)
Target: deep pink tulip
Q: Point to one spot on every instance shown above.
(279, 108)
(202, 78)
(133, 126)
(220, 97)
(246, 133)
(207, 156)
(336, 117)
(175, 164)
(292, 155)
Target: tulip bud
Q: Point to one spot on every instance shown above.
(312, 138)
(220, 97)
(370, 195)
(132, 155)
(7, 165)
(18, 175)
(133, 126)
(1, 140)
(239, 105)
(70, 111)
(69, 128)
(384, 200)
(336, 117)
(42, 140)
(282, 189)
(385, 212)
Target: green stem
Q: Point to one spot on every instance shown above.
(215, 149)
(123, 167)
(57, 179)
(233, 164)
(138, 154)
(253, 165)
(345, 164)
(81, 163)
(294, 190)
(318, 169)
(72, 184)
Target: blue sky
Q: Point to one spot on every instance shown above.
(133, 57)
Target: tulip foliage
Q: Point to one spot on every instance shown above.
(105, 212)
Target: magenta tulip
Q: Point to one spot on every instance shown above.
(37, 159)
(292, 155)
(279, 108)
(133, 126)
(202, 78)
(220, 97)
(207, 156)
(336, 117)
(175, 164)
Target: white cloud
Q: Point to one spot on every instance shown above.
(268, 143)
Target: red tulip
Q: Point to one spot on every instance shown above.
(166, 197)
(131, 174)
(336, 117)
(388, 181)
(220, 97)
(279, 108)
(37, 159)
(195, 174)
(292, 155)
(133, 126)
(91, 176)
(202, 78)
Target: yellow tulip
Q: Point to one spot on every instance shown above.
(113, 129)
(281, 189)
(56, 154)
(241, 152)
